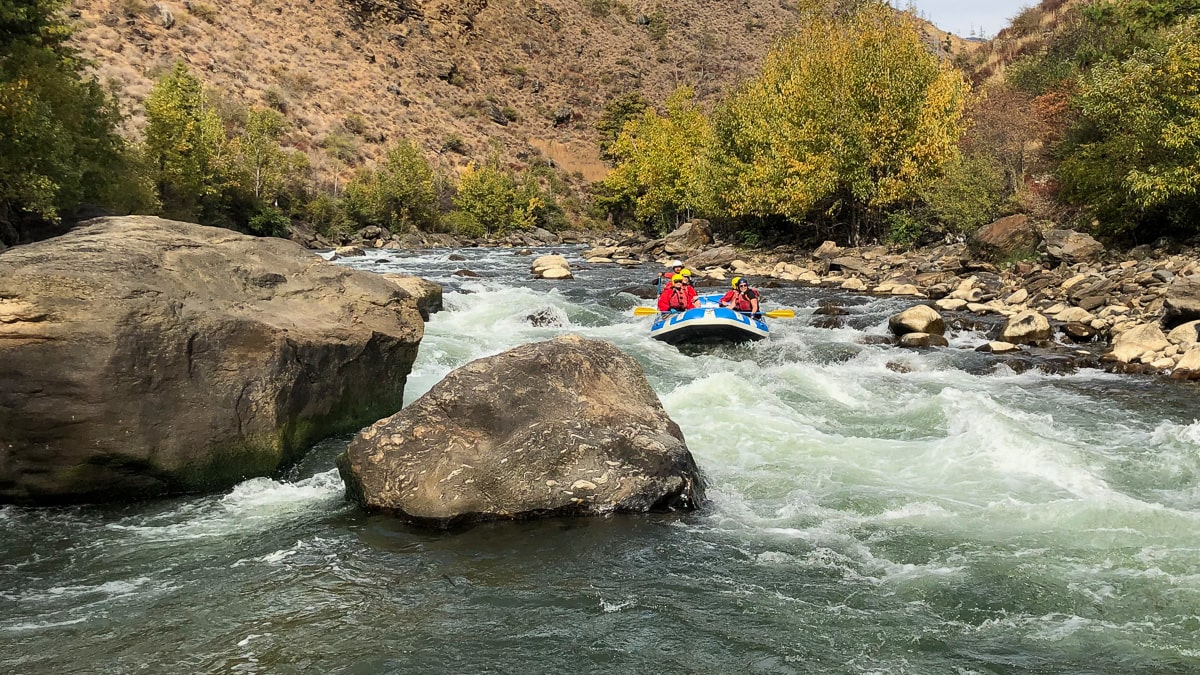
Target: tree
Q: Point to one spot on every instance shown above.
(401, 194)
(659, 162)
(618, 111)
(1133, 157)
(850, 116)
(185, 144)
(493, 198)
(58, 140)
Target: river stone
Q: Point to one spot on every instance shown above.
(348, 252)
(141, 357)
(563, 427)
(553, 267)
(917, 340)
(998, 347)
(1026, 328)
(918, 319)
(1182, 300)
(1188, 366)
(1186, 335)
(716, 257)
(1141, 342)
(1004, 238)
(1071, 246)
(426, 295)
(687, 238)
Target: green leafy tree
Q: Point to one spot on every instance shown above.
(1133, 157)
(58, 140)
(185, 144)
(264, 165)
(401, 194)
(618, 111)
(493, 198)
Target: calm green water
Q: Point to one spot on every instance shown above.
(872, 511)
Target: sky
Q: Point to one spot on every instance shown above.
(986, 17)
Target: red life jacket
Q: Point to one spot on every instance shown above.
(674, 299)
(741, 301)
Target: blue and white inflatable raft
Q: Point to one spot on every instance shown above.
(708, 324)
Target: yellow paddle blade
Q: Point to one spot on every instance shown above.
(773, 314)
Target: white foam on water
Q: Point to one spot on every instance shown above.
(255, 504)
(42, 625)
(611, 607)
(109, 589)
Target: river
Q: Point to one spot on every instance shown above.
(872, 510)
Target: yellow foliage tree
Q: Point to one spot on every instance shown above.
(659, 161)
(852, 114)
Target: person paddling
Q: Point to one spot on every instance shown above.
(678, 297)
(742, 298)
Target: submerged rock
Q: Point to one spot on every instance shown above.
(563, 427)
(142, 357)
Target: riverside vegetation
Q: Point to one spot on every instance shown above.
(853, 129)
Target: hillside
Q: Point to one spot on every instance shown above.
(1030, 31)
(456, 76)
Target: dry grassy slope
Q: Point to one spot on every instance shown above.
(1028, 33)
(427, 70)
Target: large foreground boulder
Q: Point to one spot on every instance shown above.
(426, 295)
(563, 427)
(142, 357)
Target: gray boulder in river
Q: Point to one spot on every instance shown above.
(142, 357)
(564, 427)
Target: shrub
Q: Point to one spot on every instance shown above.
(970, 194)
(455, 143)
(327, 216)
(270, 222)
(904, 228)
(463, 224)
(598, 8)
(202, 11)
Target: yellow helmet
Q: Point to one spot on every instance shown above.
(735, 282)
(686, 273)
(676, 277)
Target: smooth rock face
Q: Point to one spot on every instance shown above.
(563, 427)
(142, 357)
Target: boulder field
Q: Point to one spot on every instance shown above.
(565, 427)
(142, 357)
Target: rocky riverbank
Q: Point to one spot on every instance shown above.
(1056, 295)
(1140, 309)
